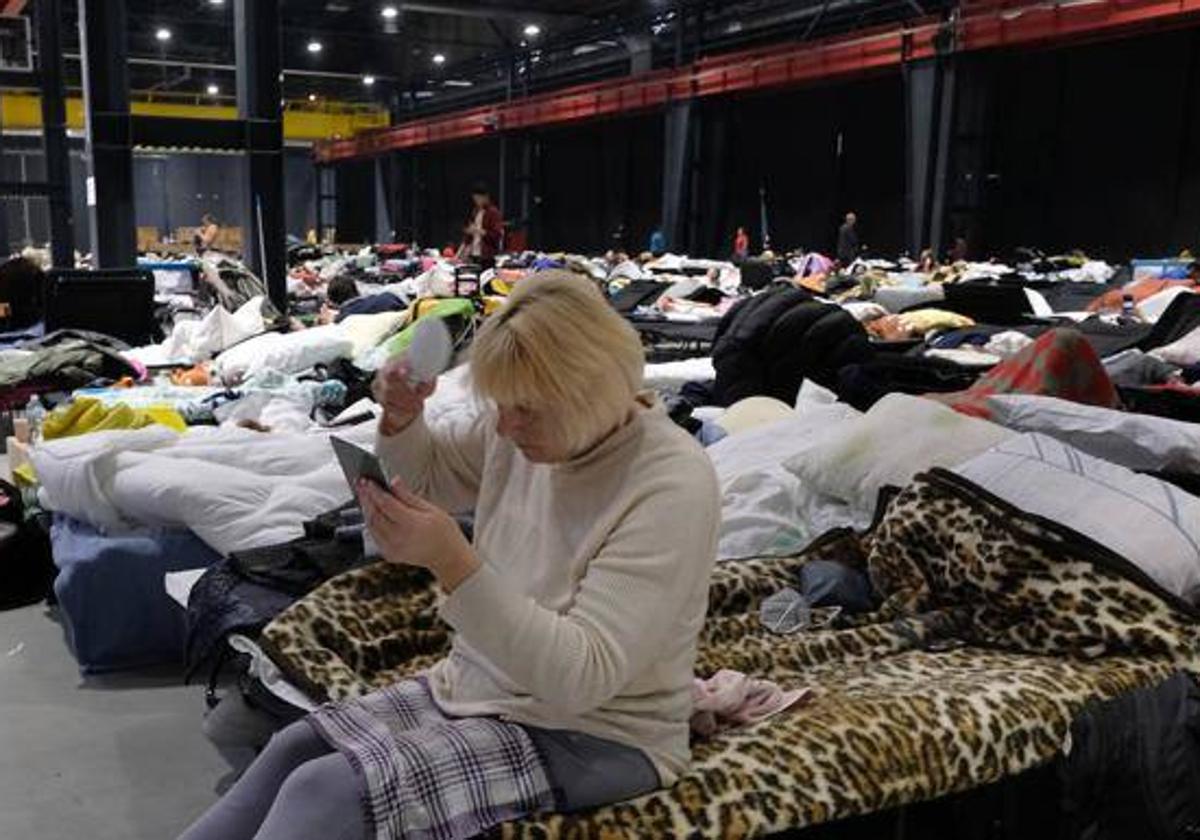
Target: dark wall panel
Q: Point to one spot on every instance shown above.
(819, 152)
(599, 186)
(1096, 148)
(356, 202)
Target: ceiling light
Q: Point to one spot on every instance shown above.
(389, 12)
(458, 83)
(213, 90)
(312, 97)
(368, 80)
(163, 34)
(532, 30)
(439, 59)
(216, 2)
(314, 46)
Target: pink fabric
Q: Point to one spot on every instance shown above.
(731, 698)
(142, 371)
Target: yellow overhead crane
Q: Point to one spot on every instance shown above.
(302, 120)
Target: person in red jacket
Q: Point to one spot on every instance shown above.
(484, 230)
(741, 244)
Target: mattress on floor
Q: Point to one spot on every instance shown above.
(114, 608)
(996, 630)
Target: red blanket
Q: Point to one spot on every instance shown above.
(1060, 364)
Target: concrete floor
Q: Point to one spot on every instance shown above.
(117, 757)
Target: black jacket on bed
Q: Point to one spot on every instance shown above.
(769, 344)
(1133, 769)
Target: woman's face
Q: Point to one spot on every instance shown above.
(533, 431)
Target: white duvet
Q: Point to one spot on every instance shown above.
(235, 488)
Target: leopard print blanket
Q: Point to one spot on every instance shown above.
(994, 632)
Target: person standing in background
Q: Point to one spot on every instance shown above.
(484, 231)
(847, 243)
(206, 235)
(959, 252)
(741, 244)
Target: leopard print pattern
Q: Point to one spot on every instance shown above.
(1017, 583)
(366, 628)
(890, 720)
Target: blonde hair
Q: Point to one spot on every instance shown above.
(558, 345)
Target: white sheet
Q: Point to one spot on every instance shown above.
(767, 510)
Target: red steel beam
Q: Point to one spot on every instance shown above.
(983, 24)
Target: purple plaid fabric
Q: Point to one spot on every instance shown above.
(427, 775)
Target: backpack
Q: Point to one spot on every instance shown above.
(27, 571)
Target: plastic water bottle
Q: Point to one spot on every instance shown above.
(35, 414)
(1128, 313)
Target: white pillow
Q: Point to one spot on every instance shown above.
(367, 332)
(899, 437)
(1135, 441)
(1149, 522)
(284, 352)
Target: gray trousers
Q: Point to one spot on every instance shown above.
(301, 788)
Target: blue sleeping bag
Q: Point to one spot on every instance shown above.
(111, 595)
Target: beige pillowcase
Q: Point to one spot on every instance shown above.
(899, 437)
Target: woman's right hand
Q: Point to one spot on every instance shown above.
(402, 402)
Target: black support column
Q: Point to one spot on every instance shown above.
(102, 29)
(677, 151)
(54, 134)
(258, 47)
(929, 116)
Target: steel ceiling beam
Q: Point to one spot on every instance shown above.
(984, 24)
(230, 68)
(475, 10)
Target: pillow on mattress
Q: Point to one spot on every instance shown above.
(1135, 441)
(368, 331)
(899, 437)
(1152, 524)
(283, 352)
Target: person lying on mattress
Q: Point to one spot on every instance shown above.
(576, 610)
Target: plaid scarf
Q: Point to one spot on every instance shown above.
(426, 775)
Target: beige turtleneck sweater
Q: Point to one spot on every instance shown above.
(594, 584)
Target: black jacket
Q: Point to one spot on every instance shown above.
(768, 344)
(1134, 766)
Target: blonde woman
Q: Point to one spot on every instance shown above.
(576, 610)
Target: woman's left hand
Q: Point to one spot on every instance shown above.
(409, 530)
